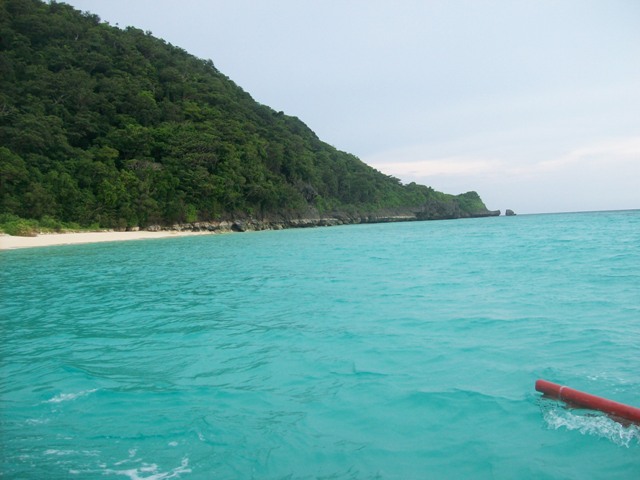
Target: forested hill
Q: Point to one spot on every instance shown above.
(114, 127)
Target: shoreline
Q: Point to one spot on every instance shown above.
(10, 242)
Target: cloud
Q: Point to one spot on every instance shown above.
(414, 163)
(599, 175)
(440, 166)
(607, 154)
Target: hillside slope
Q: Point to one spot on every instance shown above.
(114, 127)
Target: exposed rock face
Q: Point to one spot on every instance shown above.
(489, 213)
(509, 213)
(314, 219)
(437, 210)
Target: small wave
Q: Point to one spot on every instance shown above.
(592, 424)
(65, 397)
(37, 421)
(62, 453)
(151, 471)
(52, 451)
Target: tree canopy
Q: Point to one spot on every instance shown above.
(116, 127)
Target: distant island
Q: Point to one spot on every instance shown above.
(117, 129)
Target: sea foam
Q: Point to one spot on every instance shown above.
(67, 397)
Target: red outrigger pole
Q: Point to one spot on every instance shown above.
(580, 399)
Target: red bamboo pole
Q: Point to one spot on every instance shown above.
(586, 400)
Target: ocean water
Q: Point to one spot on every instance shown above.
(391, 351)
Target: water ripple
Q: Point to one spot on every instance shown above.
(365, 351)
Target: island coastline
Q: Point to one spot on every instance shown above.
(10, 242)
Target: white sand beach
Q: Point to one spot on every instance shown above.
(8, 242)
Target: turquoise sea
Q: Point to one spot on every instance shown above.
(391, 351)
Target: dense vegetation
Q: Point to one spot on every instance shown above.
(117, 128)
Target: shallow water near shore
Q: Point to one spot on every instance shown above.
(395, 351)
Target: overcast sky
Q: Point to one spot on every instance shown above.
(533, 104)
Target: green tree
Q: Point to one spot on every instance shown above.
(99, 124)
